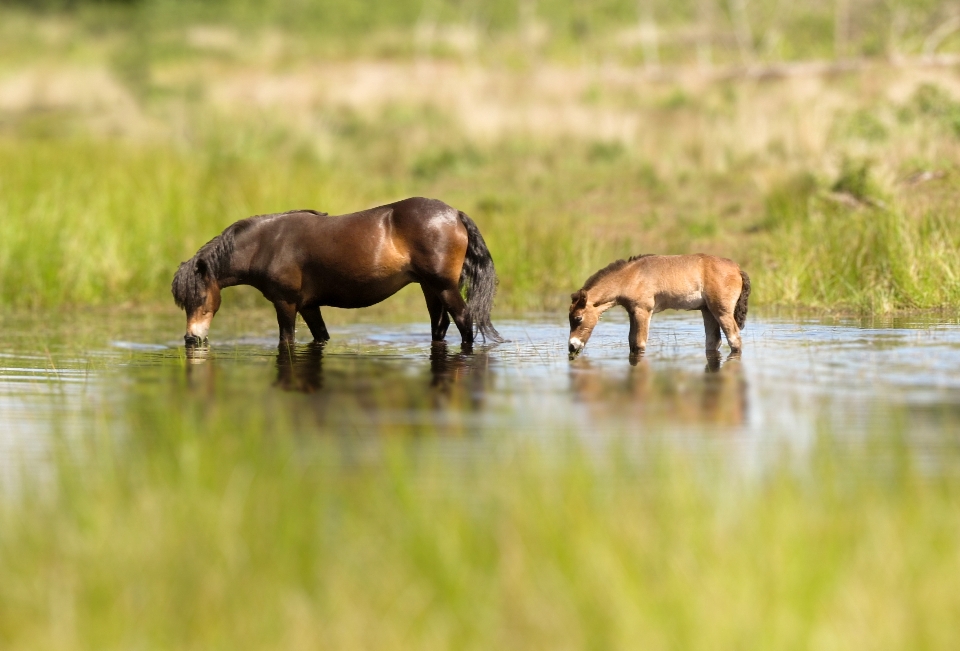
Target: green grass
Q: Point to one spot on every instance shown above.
(101, 196)
(106, 222)
(689, 32)
(208, 528)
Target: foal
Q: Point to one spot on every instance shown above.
(652, 283)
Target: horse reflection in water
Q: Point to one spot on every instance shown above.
(300, 368)
(718, 396)
(457, 379)
(458, 373)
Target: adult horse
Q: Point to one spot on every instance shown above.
(302, 259)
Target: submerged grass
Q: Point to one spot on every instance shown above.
(208, 528)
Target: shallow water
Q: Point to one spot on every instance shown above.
(83, 372)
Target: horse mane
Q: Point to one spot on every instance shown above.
(189, 285)
(616, 265)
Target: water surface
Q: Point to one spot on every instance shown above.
(83, 372)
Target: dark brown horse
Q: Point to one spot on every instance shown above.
(302, 259)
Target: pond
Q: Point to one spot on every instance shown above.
(72, 373)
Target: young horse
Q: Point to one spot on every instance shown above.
(652, 283)
(303, 259)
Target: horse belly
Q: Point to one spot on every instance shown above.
(690, 299)
(346, 293)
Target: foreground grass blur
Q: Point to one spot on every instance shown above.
(206, 528)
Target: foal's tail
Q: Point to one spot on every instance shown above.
(740, 310)
(479, 279)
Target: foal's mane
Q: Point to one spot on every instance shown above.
(189, 285)
(616, 265)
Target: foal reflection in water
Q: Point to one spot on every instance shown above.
(646, 284)
(302, 260)
(648, 395)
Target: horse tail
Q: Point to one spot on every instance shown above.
(740, 310)
(478, 280)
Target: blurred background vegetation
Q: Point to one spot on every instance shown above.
(816, 142)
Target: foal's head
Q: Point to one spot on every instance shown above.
(583, 318)
(196, 290)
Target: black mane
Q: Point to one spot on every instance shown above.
(616, 265)
(189, 284)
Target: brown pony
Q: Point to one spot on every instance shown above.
(303, 259)
(652, 283)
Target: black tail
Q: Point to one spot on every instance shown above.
(740, 311)
(479, 278)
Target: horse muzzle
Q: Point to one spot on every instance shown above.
(575, 345)
(193, 341)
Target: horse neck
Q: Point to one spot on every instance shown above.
(606, 293)
(230, 272)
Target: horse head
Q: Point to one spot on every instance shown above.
(583, 319)
(197, 292)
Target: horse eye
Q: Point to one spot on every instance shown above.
(578, 319)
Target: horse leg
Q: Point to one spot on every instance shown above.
(455, 305)
(712, 328)
(439, 319)
(287, 320)
(729, 327)
(315, 322)
(639, 329)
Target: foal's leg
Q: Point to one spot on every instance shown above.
(639, 329)
(287, 320)
(439, 319)
(315, 322)
(712, 328)
(727, 324)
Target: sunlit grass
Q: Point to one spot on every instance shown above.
(99, 222)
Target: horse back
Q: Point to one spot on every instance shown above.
(689, 282)
(359, 258)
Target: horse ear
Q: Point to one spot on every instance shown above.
(579, 298)
(201, 268)
(574, 296)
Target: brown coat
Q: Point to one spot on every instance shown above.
(647, 284)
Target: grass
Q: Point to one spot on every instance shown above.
(686, 32)
(226, 528)
(91, 221)
(833, 191)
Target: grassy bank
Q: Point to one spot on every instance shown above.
(120, 156)
(222, 529)
(94, 221)
(654, 34)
